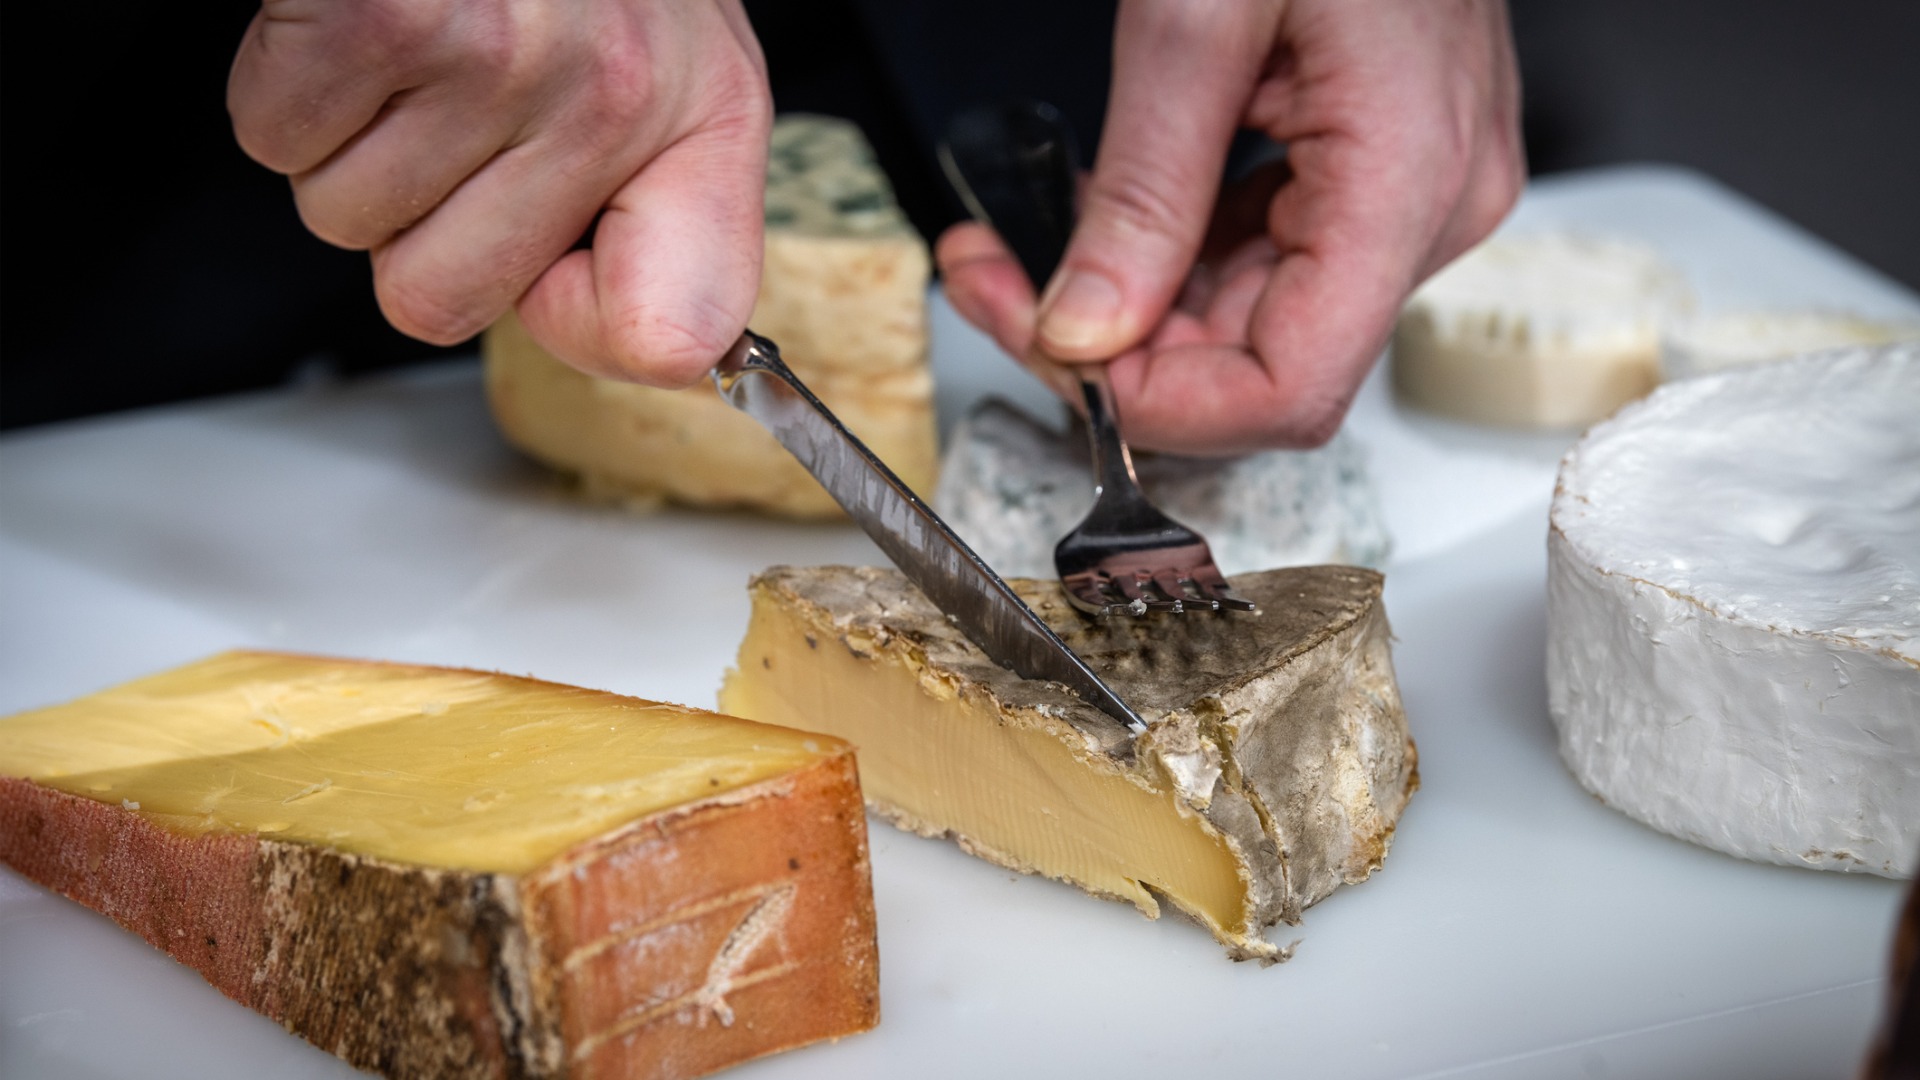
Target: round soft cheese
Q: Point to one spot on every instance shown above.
(1538, 330)
(1738, 338)
(1733, 598)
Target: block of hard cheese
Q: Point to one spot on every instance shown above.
(1276, 762)
(843, 293)
(442, 873)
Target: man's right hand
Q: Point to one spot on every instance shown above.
(467, 144)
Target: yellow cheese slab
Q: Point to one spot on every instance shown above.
(418, 765)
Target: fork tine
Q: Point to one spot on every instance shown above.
(1207, 578)
(1175, 582)
(1134, 587)
(1089, 595)
(1116, 598)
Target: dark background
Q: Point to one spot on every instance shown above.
(147, 260)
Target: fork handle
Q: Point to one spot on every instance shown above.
(1016, 168)
(1112, 461)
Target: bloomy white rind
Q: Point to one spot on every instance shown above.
(1543, 330)
(1770, 745)
(1733, 590)
(1740, 338)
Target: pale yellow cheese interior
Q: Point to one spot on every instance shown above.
(419, 765)
(1019, 790)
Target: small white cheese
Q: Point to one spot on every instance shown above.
(1739, 338)
(1543, 330)
(1012, 487)
(1733, 593)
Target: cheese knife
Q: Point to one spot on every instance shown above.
(753, 379)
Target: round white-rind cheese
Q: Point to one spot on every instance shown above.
(1739, 338)
(1733, 597)
(1538, 330)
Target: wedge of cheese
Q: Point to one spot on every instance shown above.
(843, 293)
(1012, 487)
(1538, 330)
(1733, 611)
(1276, 763)
(441, 873)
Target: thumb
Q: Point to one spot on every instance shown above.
(1183, 73)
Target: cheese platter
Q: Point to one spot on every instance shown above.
(1519, 928)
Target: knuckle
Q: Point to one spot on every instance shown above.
(265, 142)
(1317, 422)
(1137, 199)
(398, 32)
(673, 348)
(354, 232)
(422, 312)
(625, 84)
(1179, 25)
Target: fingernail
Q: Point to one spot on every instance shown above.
(1079, 311)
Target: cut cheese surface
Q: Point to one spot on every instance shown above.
(1022, 792)
(1276, 762)
(1733, 651)
(418, 765)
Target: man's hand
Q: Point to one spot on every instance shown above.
(1251, 323)
(469, 143)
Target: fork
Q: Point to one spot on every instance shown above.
(1014, 168)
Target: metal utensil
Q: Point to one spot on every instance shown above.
(754, 380)
(1014, 167)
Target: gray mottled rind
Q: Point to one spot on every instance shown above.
(1011, 487)
(1283, 728)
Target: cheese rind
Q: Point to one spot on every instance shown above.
(714, 919)
(1740, 338)
(1545, 330)
(1276, 762)
(1733, 650)
(1012, 487)
(843, 291)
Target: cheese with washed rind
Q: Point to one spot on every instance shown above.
(434, 872)
(1276, 762)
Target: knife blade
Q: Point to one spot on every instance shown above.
(753, 379)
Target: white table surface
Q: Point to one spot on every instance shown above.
(1519, 928)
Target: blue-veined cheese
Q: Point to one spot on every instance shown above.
(1012, 487)
(843, 292)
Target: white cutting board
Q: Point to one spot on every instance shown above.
(1519, 929)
